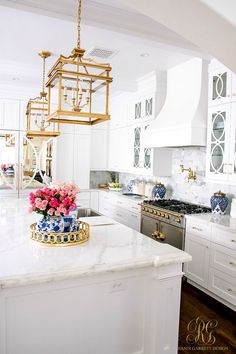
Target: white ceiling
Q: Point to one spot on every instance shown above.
(30, 31)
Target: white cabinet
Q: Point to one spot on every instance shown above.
(148, 161)
(123, 210)
(83, 199)
(94, 200)
(142, 108)
(99, 153)
(222, 84)
(63, 163)
(9, 114)
(119, 109)
(221, 142)
(221, 148)
(72, 162)
(213, 266)
(119, 153)
(222, 285)
(134, 220)
(197, 270)
(81, 160)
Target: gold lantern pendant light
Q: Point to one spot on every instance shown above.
(73, 83)
(37, 111)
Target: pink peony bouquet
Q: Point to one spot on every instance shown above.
(57, 199)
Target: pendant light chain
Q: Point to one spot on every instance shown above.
(79, 20)
(43, 82)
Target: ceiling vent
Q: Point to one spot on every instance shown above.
(102, 53)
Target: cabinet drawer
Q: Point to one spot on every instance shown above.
(121, 215)
(135, 208)
(107, 210)
(222, 285)
(85, 203)
(199, 229)
(134, 221)
(225, 238)
(84, 195)
(223, 259)
(121, 202)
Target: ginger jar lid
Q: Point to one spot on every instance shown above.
(219, 194)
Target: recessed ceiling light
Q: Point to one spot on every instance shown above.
(144, 55)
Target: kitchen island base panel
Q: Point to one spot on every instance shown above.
(123, 312)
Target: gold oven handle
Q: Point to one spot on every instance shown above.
(161, 236)
(155, 234)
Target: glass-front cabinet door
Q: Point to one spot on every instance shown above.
(218, 137)
(142, 156)
(26, 163)
(137, 147)
(35, 162)
(220, 86)
(232, 144)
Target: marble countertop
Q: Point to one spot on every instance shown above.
(110, 248)
(224, 221)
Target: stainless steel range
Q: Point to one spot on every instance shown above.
(164, 220)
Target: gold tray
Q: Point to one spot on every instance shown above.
(60, 238)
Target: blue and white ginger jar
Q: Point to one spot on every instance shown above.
(51, 224)
(219, 203)
(130, 186)
(158, 191)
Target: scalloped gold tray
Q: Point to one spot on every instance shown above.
(60, 238)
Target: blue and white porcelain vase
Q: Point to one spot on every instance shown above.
(219, 203)
(158, 191)
(69, 223)
(130, 186)
(51, 224)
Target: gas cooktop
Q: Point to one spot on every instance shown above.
(178, 206)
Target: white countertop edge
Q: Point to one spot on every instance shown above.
(19, 281)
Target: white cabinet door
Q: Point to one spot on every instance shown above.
(99, 141)
(118, 154)
(10, 114)
(94, 200)
(198, 248)
(134, 221)
(81, 160)
(64, 158)
(118, 110)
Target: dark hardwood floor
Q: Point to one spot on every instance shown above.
(202, 336)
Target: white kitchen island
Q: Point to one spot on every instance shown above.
(119, 293)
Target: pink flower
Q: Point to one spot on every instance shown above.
(51, 211)
(58, 212)
(72, 206)
(54, 203)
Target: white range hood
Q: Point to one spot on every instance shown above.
(182, 120)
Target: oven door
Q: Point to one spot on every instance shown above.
(163, 232)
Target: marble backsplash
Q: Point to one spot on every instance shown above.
(178, 186)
